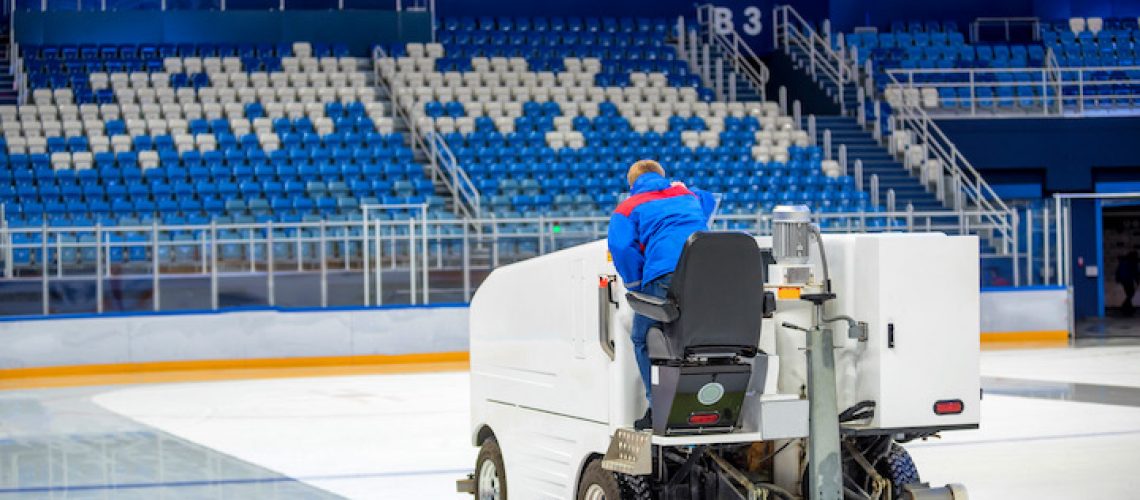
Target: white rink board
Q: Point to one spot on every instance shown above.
(231, 335)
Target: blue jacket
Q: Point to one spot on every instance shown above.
(649, 229)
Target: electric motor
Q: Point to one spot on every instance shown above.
(791, 233)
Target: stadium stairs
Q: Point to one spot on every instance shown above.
(861, 145)
(8, 92)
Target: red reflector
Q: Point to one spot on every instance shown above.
(950, 407)
(704, 418)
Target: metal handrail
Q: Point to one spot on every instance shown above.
(791, 29)
(740, 55)
(445, 169)
(455, 176)
(1050, 77)
(372, 246)
(966, 181)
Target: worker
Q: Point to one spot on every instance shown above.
(647, 233)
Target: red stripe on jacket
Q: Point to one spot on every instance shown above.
(626, 207)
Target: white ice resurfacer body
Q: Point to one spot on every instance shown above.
(555, 387)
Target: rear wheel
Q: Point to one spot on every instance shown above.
(898, 468)
(600, 484)
(490, 475)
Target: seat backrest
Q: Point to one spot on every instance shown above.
(719, 288)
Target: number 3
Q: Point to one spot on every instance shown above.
(754, 26)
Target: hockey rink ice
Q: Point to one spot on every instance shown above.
(1056, 423)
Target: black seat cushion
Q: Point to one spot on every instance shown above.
(719, 288)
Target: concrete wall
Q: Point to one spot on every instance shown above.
(141, 338)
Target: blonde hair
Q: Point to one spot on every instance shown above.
(642, 167)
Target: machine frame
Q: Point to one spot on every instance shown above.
(536, 369)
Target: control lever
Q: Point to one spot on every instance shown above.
(794, 327)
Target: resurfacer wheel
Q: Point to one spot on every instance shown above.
(899, 469)
(598, 483)
(490, 475)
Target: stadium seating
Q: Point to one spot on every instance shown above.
(1004, 84)
(123, 135)
(198, 133)
(545, 115)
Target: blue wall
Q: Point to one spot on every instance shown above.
(1061, 155)
(1070, 153)
(358, 29)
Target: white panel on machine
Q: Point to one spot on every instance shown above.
(919, 295)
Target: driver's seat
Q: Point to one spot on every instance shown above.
(710, 322)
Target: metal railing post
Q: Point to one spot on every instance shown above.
(843, 158)
(732, 86)
(859, 174)
(44, 271)
(706, 66)
(910, 217)
(214, 264)
(827, 144)
(874, 190)
(156, 282)
(1029, 246)
(466, 265)
(1016, 249)
(99, 267)
(719, 78)
(426, 289)
(323, 254)
(681, 49)
(811, 129)
(1060, 257)
(694, 56)
(364, 247)
(878, 128)
(270, 286)
(783, 96)
(1046, 268)
(379, 267)
(412, 261)
(797, 114)
(891, 200)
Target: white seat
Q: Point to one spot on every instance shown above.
(1077, 24)
(120, 143)
(98, 143)
(206, 142)
(60, 161)
(1094, 24)
(148, 159)
(82, 160)
(302, 49)
(16, 145)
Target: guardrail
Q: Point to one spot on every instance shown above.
(1060, 91)
(411, 259)
(741, 58)
(957, 176)
(791, 30)
(453, 175)
(442, 162)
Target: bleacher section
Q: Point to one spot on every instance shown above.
(189, 134)
(1006, 76)
(545, 115)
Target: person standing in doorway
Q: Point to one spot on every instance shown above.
(1128, 276)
